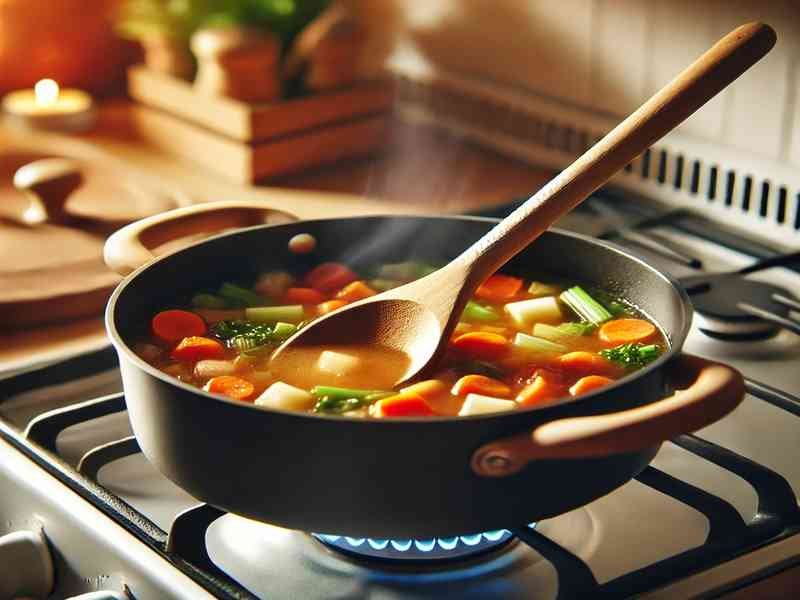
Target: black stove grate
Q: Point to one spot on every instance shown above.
(184, 546)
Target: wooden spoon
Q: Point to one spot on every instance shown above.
(418, 318)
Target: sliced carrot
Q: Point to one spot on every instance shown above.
(581, 362)
(405, 404)
(538, 391)
(480, 384)
(626, 331)
(231, 386)
(173, 325)
(329, 277)
(194, 348)
(329, 306)
(499, 288)
(480, 344)
(428, 389)
(357, 290)
(298, 295)
(587, 384)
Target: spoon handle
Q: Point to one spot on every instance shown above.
(774, 261)
(702, 80)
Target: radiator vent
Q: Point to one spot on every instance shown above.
(700, 176)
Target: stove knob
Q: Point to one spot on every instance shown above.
(27, 567)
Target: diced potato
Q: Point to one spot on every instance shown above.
(526, 312)
(274, 284)
(214, 368)
(286, 397)
(477, 404)
(337, 363)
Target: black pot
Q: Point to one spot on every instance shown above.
(404, 478)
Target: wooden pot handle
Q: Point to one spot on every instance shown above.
(129, 248)
(713, 391)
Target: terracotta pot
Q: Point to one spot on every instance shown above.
(71, 41)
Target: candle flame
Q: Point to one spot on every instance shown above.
(46, 92)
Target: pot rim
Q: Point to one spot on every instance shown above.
(675, 341)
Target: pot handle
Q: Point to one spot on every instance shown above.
(129, 248)
(712, 390)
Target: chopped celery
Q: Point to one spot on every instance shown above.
(618, 309)
(576, 329)
(383, 284)
(585, 306)
(344, 393)
(535, 344)
(283, 330)
(475, 312)
(239, 295)
(427, 269)
(537, 289)
(549, 332)
(291, 313)
(404, 271)
(209, 301)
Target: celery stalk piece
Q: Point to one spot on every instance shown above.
(403, 271)
(209, 301)
(551, 333)
(586, 307)
(283, 330)
(343, 393)
(535, 344)
(382, 285)
(538, 289)
(291, 313)
(475, 312)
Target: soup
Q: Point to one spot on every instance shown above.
(519, 343)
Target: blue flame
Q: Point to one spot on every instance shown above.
(433, 548)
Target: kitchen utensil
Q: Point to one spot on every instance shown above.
(734, 305)
(418, 318)
(401, 478)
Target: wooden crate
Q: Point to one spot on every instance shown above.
(249, 142)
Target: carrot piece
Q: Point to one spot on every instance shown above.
(587, 384)
(428, 389)
(329, 276)
(230, 386)
(405, 404)
(357, 290)
(329, 306)
(481, 344)
(499, 288)
(194, 348)
(173, 325)
(480, 384)
(539, 390)
(626, 331)
(581, 362)
(298, 295)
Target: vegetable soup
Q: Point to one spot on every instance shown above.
(519, 343)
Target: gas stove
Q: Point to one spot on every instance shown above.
(713, 512)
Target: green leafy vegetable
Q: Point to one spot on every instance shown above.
(338, 404)
(632, 355)
(249, 337)
(239, 296)
(586, 307)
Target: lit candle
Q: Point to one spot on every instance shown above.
(48, 107)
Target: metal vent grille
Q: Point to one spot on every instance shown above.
(760, 197)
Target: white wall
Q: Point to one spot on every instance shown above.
(607, 55)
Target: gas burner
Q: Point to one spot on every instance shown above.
(738, 309)
(431, 551)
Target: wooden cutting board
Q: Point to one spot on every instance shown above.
(54, 272)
